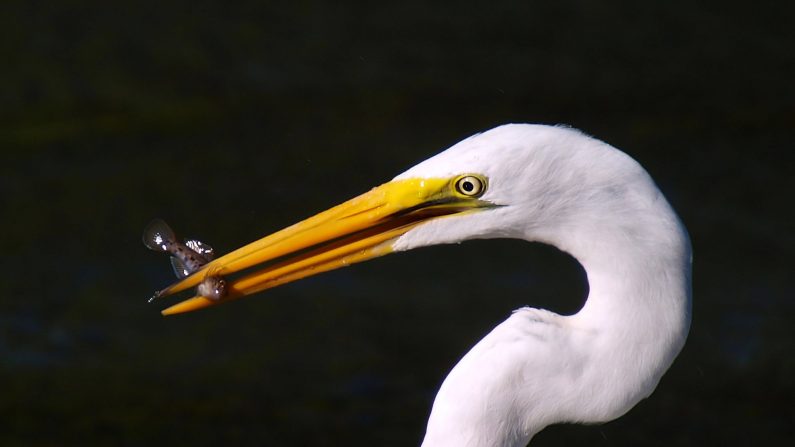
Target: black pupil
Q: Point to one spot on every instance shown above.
(468, 186)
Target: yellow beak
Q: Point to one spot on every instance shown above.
(362, 228)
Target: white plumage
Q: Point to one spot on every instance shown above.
(537, 368)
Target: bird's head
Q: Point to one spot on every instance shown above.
(513, 181)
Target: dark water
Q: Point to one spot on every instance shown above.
(231, 121)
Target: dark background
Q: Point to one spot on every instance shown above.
(233, 120)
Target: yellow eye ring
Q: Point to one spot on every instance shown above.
(470, 186)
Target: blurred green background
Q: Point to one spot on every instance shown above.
(232, 120)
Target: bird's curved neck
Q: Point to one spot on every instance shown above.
(637, 314)
(592, 366)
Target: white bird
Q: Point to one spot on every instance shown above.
(538, 183)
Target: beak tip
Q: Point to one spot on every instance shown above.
(191, 304)
(169, 311)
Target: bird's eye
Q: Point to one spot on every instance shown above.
(469, 185)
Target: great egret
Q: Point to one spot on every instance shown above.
(539, 183)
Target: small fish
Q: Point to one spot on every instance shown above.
(186, 257)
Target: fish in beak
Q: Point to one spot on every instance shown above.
(360, 229)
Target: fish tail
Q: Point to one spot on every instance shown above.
(158, 236)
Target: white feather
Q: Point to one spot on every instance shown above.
(537, 368)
